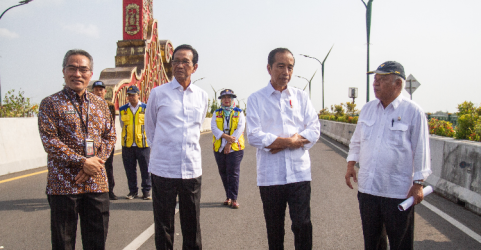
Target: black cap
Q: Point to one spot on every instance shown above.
(390, 67)
(133, 90)
(227, 92)
(98, 84)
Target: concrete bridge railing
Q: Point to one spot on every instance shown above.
(21, 148)
(456, 164)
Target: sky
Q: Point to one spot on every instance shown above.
(437, 41)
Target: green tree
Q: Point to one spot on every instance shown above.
(17, 105)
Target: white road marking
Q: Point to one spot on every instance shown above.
(442, 214)
(454, 222)
(144, 236)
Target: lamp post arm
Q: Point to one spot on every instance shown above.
(364, 3)
(327, 55)
(21, 3)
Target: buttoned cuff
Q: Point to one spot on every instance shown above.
(352, 157)
(268, 140)
(422, 175)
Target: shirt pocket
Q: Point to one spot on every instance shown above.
(141, 119)
(126, 120)
(366, 129)
(397, 134)
(198, 111)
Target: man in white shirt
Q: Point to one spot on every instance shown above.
(175, 113)
(391, 144)
(283, 125)
(134, 144)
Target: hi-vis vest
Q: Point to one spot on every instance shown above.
(133, 128)
(234, 121)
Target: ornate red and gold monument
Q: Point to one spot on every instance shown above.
(142, 59)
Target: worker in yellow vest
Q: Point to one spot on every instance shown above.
(228, 125)
(134, 144)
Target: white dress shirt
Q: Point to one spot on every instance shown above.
(237, 133)
(392, 147)
(272, 114)
(134, 110)
(173, 120)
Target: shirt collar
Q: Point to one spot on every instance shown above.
(72, 94)
(394, 103)
(269, 89)
(138, 105)
(176, 85)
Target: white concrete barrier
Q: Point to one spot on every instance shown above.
(21, 147)
(456, 164)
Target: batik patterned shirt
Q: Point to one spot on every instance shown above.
(62, 134)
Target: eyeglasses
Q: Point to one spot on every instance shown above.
(73, 70)
(177, 62)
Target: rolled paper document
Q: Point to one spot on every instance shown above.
(409, 202)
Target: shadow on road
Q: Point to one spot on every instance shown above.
(26, 205)
(131, 205)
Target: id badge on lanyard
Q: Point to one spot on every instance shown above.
(89, 145)
(89, 148)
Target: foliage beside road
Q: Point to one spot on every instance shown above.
(17, 105)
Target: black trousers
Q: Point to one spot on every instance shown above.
(130, 156)
(165, 191)
(377, 211)
(229, 170)
(275, 200)
(109, 168)
(93, 209)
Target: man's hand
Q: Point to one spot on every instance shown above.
(93, 166)
(276, 150)
(228, 138)
(351, 172)
(81, 177)
(416, 192)
(227, 148)
(298, 141)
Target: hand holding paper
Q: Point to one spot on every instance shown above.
(409, 202)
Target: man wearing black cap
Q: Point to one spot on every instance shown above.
(391, 144)
(134, 144)
(98, 88)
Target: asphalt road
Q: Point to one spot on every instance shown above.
(440, 224)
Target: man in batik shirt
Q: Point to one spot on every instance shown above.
(72, 123)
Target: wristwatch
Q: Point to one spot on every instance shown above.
(419, 182)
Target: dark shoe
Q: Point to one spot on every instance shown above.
(132, 195)
(235, 205)
(227, 202)
(112, 196)
(147, 195)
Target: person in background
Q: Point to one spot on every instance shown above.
(391, 144)
(78, 135)
(134, 144)
(228, 129)
(98, 88)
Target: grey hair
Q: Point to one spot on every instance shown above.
(396, 77)
(78, 52)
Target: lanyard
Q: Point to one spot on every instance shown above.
(86, 124)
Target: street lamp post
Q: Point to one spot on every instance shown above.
(308, 82)
(198, 80)
(368, 31)
(322, 68)
(21, 3)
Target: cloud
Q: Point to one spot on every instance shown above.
(82, 29)
(8, 34)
